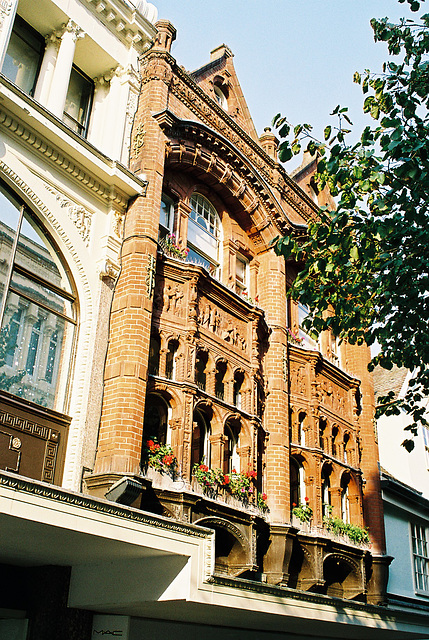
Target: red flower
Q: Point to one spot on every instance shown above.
(203, 467)
(226, 480)
(307, 499)
(234, 471)
(264, 496)
(150, 443)
(251, 474)
(156, 447)
(168, 460)
(294, 504)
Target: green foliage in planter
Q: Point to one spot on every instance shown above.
(352, 531)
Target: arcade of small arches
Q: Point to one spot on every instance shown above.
(219, 439)
(334, 439)
(213, 375)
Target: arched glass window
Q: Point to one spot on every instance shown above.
(201, 449)
(238, 384)
(346, 442)
(231, 459)
(154, 352)
(295, 484)
(326, 494)
(220, 97)
(204, 231)
(322, 432)
(345, 505)
(334, 441)
(155, 421)
(37, 310)
(200, 370)
(301, 432)
(170, 361)
(219, 380)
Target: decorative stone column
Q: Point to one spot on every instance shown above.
(47, 68)
(71, 32)
(7, 18)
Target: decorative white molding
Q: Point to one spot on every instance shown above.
(105, 192)
(109, 269)
(81, 217)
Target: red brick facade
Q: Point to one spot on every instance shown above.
(214, 345)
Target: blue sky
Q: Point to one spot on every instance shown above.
(296, 57)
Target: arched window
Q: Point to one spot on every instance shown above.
(345, 504)
(231, 459)
(297, 483)
(204, 231)
(154, 352)
(170, 361)
(219, 380)
(155, 422)
(200, 369)
(334, 440)
(37, 310)
(301, 432)
(238, 384)
(220, 97)
(201, 449)
(326, 494)
(322, 432)
(346, 442)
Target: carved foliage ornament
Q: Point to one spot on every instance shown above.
(80, 216)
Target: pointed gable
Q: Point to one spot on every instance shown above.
(219, 80)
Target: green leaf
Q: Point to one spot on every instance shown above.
(327, 132)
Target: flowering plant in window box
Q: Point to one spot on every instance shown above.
(209, 479)
(303, 512)
(262, 501)
(171, 247)
(160, 457)
(293, 338)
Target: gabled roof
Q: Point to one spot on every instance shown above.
(388, 380)
(220, 73)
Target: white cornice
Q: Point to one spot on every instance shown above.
(34, 126)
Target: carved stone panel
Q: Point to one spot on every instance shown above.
(169, 298)
(298, 379)
(224, 325)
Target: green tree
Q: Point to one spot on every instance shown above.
(368, 259)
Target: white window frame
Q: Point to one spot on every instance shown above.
(419, 536)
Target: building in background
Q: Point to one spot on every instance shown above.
(405, 490)
(176, 449)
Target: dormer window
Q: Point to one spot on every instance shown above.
(220, 97)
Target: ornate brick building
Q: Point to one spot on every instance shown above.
(207, 354)
(177, 455)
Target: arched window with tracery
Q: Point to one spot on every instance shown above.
(204, 234)
(37, 308)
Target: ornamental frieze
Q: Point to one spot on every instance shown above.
(222, 324)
